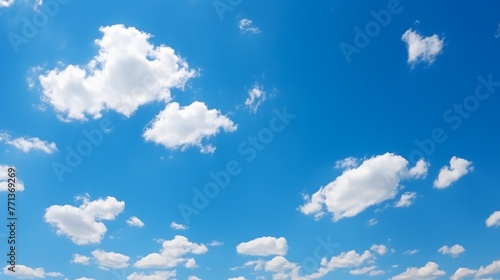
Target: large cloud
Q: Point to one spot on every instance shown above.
(127, 72)
(181, 127)
(376, 180)
(83, 224)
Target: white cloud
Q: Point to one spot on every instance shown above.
(190, 263)
(491, 269)
(497, 33)
(237, 278)
(84, 278)
(80, 259)
(453, 251)
(4, 179)
(368, 270)
(215, 243)
(181, 127)
(6, 3)
(127, 72)
(279, 264)
(177, 226)
(349, 259)
(107, 260)
(448, 175)
(172, 253)
(379, 249)
(284, 269)
(246, 25)
(492, 221)
(407, 199)
(376, 180)
(25, 272)
(410, 252)
(135, 222)
(256, 96)
(256, 264)
(422, 49)
(372, 222)
(347, 163)
(429, 272)
(463, 273)
(263, 246)
(192, 277)
(28, 144)
(83, 224)
(156, 275)
(420, 169)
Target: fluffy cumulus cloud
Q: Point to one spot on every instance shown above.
(483, 271)
(181, 127)
(453, 251)
(177, 226)
(429, 272)
(379, 249)
(375, 180)
(4, 179)
(25, 272)
(281, 268)
(127, 72)
(422, 49)
(263, 246)
(493, 220)
(6, 3)
(27, 144)
(407, 199)
(279, 264)
(192, 277)
(246, 25)
(237, 278)
(172, 254)
(80, 259)
(463, 273)
(450, 174)
(135, 222)
(156, 275)
(107, 260)
(256, 96)
(83, 224)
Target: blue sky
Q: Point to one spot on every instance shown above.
(251, 139)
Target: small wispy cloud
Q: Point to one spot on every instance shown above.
(28, 144)
(256, 96)
(246, 25)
